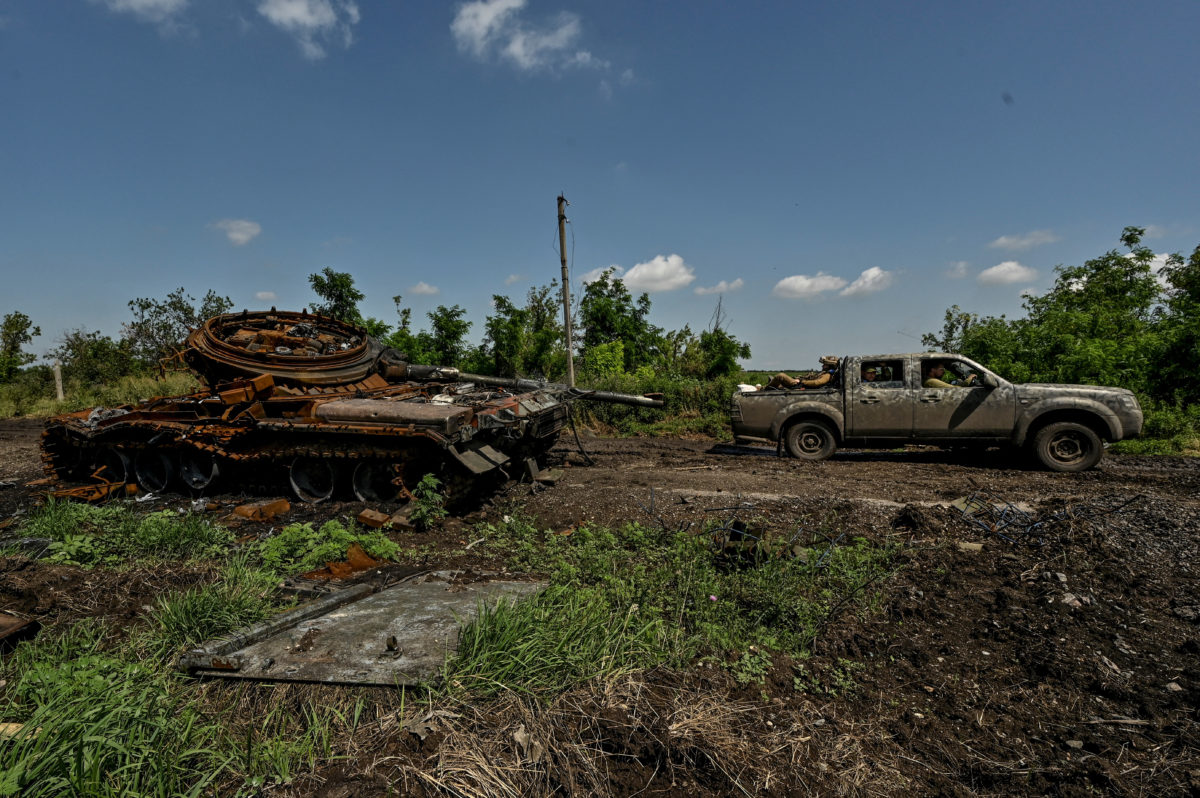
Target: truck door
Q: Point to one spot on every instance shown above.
(957, 405)
(879, 400)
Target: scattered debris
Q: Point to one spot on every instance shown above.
(262, 511)
(374, 519)
(357, 561)
(14, 629)
(1015, 524)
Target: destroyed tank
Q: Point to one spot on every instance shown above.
(317, 403)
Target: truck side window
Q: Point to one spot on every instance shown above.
(882, 374)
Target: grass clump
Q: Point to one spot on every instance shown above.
(241, 596)
(301, 547)
(95, 724)
(621, 600)
(89, 535)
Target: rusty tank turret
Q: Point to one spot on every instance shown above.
(318, 404)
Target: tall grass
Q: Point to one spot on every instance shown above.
(243, 595)
(36, 398)
(95, 724)
(90, 535)
(635, 597)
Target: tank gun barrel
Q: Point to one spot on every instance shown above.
(610, 397)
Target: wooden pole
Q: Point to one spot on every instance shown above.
(566, 287)
(58, 380)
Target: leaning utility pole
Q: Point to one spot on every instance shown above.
(566, 287)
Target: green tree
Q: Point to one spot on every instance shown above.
(607, 313)
(340, 296)
(719, 350)
(16, 331)
(1097, 324)
(525, 341)
(159, 327)
(447, 339)
(954, 330)
(506, 337)
(92, 358)
(1178, 361)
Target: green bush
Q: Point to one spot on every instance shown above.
(300, 547)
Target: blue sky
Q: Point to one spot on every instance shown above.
(839, 173)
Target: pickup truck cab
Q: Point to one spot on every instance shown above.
(881, 401)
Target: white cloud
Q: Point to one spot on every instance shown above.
(494, 28)
(663, 273)
(598, 272)
(722, 287)
(1156, 267)
(240, 232)
(957, 270)
(871, 280)
(1155, 231)
(1007, 273)
(265, 296)
(158, 12)
(801, 286)
(424, 289)
(313, 23)
(513, 278)
(1025, 241)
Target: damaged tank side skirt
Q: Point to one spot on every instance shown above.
(313, 400)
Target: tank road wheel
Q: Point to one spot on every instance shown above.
(153, 469)
(112, 465)
(810, 440)
(313, 480)
(198, 469)
(1067, 446)
(373, 481)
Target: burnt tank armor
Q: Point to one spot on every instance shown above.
(315, 401)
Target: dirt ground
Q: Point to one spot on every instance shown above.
(1054, 658)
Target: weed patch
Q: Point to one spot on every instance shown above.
(88, 535)
(301, 547)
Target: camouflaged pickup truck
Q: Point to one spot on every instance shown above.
(882, 401)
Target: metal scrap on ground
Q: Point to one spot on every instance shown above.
(399, 636)
(1009, 522)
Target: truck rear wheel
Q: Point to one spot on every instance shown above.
(1067, 446)
(810, 440)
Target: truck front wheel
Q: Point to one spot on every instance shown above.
(1067, 446)
(810, 440)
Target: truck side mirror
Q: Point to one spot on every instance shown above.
(990, 381)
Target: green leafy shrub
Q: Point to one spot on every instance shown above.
(429, 503)
(300, 547)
